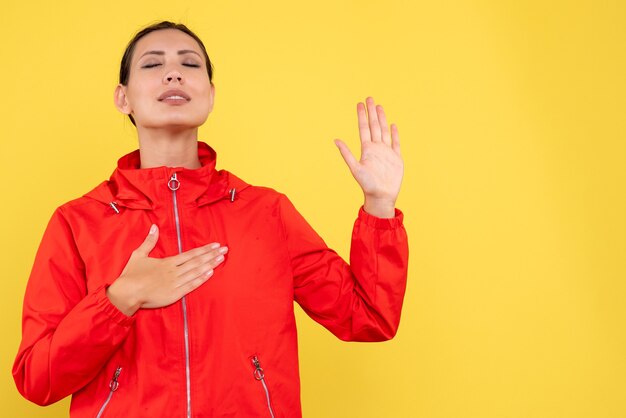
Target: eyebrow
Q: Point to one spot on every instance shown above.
(180, 52)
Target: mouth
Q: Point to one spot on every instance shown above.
(174, 96)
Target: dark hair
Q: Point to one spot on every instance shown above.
(130, 49)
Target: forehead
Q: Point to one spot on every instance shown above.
(167, 40)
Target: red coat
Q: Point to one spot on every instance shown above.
(229, 348)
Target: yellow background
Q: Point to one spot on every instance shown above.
(511, 116)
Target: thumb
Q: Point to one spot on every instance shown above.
(150, 242)
(347, 155)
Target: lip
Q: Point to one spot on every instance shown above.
(174, 92)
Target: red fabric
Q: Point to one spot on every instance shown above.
(74, 339)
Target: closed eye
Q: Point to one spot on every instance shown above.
(156, 64)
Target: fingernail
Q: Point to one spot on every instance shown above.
(223, 250)
(219, 258)
(153, 229)
(215, 245)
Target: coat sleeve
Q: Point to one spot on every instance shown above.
(357, 302)
(67, 334)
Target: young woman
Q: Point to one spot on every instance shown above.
(119, 311)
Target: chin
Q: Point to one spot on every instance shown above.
(176, 121)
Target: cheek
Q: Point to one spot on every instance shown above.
(203, 97)
(199, 81)
(136, 96)
(142, 89)
(204, 92)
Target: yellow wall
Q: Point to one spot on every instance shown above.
(511, 115)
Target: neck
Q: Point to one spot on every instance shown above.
(170, 148)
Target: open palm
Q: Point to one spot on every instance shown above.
(380, 169)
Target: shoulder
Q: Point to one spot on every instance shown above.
(250, 192)
(262, 201)
(94, 202)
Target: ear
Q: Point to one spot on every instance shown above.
(119, 97)
(211, 97)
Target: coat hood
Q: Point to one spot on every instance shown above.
(145, 188)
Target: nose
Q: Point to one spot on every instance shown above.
(174, 74)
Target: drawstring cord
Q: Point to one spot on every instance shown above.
(112, 204)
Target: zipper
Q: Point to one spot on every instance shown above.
(113, 385)
(174, 184)
(259, 375)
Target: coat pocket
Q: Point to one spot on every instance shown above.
(113, 386)
(259, 375)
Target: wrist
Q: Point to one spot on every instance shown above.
(381, 208)
(123, 303)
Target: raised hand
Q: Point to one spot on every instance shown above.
(380, 169)
(149, 282)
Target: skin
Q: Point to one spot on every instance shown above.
(380, 169)
(167, 133)
(168, 136)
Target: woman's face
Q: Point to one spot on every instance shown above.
(163, 61)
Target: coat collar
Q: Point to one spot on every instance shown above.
(147, 188)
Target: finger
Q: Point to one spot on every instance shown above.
(384, 128)
(347, 155)
(395, 137)
(204, 262)
(149, 243)
(364, 127)
(182, 258)
(192, 285)
(373, 120)
(198, 272)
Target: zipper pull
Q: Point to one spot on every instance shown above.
(114, 383)
(173, 183)
(258, 371)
